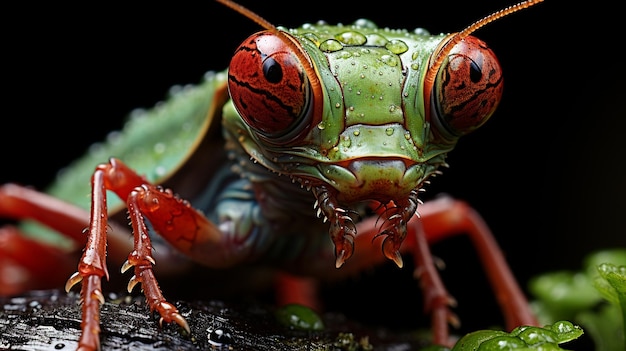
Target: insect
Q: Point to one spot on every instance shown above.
(344, 122)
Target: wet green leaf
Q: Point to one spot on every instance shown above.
(523, 338)
(594, 298)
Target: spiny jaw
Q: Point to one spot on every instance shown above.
(342, 229)
(394, 182)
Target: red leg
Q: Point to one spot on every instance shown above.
(297, 290)
(446, 217)
(181, 225)
(28, 263)
(440, 219)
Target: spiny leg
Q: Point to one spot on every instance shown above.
(437, 300)
(440, 219)
(117, 177)
(400, 223)
(92, 266)
(141, 257)
(446, 217)
(394, 218)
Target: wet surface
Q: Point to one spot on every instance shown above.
(50, 320)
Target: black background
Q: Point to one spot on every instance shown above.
(547, 171)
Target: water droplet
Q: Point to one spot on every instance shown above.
(331, 45)
(389, 60)
(344, 55)
(312, 37)
(160, 171)
(219, 337)
(152, 204)
(321, 126)
(421, 31)
(345, 141)
(356, 132)
(114, 137)
(376, 39)
(389, 131)
(397, 46)
(365, 23)
(159, 148)
(351, 38)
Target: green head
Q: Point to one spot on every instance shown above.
(360, 113)
(355, 115)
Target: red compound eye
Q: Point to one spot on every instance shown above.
(468, 87)
(268, 85)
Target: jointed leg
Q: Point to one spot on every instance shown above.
(144, 202)
(440, 219)
(446, 217)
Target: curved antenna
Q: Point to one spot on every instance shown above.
(316, 86)
(249, 14)
(429, 79)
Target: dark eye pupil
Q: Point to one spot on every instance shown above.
(272, 70)
(475, 72)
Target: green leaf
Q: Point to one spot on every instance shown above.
(594, 298)
(522, 338)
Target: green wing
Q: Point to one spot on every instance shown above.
(154, 142)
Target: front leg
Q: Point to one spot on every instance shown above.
(445, 217)
(171, 217)
(437, 220)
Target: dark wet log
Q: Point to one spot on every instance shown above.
(50, 320)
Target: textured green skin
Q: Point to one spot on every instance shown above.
(368, 85)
